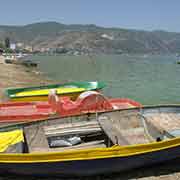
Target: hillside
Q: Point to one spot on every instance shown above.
(90, 39)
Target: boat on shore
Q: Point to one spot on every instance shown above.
(87, 102)
(95, 144)
(20, 59)
(40, 93)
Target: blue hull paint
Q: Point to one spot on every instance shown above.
(91, 167)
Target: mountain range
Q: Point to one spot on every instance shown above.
(91, 38)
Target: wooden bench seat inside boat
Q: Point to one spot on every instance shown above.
(123, 131)
(36, 136)
(72, 129)
(164, 122)
(135, 136)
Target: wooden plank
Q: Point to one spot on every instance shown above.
(35, 137)
(135, 136)
(71, 125)
(165, 121)
(76, 131)
(175, 117)
(153, 121)
(111, 131)
(127, 133)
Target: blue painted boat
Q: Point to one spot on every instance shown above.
(94, 144)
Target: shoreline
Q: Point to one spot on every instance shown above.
(19, 76)
(13, 75)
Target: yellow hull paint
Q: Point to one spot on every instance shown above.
(45, 92)
(90, 154)
(73, 96)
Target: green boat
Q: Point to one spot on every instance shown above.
(40, 93)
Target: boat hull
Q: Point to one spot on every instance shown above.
(73, 96)
(97, 161)
(25, 111)
(91, 167)
(40, 93)
(12, 112)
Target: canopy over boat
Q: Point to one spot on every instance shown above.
(40, 93)
(97, 143)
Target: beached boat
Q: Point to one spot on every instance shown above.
(12, 112)
(87, 102)
(94, 144)
(20, 59)
(40, 93)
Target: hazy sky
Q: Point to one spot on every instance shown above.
(135, 14)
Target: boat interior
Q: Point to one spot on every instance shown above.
(100, 130)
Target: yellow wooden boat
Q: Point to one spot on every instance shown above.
(40, 93)
(96, 143)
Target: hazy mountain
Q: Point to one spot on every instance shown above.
(91, 38)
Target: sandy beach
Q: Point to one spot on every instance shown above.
(19, 76)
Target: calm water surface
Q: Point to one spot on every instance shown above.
(147, 79)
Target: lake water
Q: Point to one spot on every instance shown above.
(147, 79)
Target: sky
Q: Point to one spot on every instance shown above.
(131, 14)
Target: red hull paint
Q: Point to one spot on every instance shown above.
(87, 102)
(25, 111)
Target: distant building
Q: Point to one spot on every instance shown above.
(13, 46)
(20, 45)
(28, 48)
(106, 36)
(44, 49)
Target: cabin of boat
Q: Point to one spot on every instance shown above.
(99, 143)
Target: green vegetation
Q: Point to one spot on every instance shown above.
(1, 45)
(5, 46)
(7, 42)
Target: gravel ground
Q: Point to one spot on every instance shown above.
(19, 76)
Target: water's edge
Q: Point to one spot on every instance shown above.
(148, 79)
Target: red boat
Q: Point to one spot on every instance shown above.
(24, 111)
(87, 102)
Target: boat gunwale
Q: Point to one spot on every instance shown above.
(45, 95)
(92, 153)
(88, 154)
(9, 91)
(55, 117)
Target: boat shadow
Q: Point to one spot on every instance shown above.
(168, 169)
